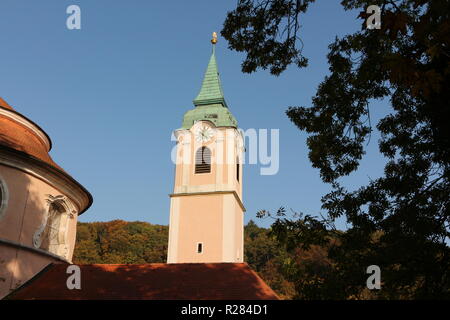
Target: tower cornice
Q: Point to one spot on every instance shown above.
(186, 194)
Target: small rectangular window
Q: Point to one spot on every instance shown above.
(199, 247)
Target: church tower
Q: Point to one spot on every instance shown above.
(206, 210)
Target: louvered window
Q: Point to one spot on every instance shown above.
(203, 160)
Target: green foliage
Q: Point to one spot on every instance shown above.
(400, 221)
(265, 256)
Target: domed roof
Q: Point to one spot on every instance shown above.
(21, 134)
(23, 137)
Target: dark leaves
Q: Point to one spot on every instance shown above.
(267, 31)
(400, 221)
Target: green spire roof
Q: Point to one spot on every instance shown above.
(210, 103)
(211, 91)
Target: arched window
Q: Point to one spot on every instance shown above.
(51, 238)
(52, 233)
(203, 160)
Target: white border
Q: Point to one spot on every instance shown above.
(21, 120)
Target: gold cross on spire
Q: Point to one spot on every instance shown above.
(214, 38)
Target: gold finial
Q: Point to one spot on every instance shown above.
(214, 38)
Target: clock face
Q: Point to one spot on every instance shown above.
(204, 134)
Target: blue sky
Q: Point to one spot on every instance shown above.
(110, 94)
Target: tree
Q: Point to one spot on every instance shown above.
(400, 221)
(120, 241)
(267, 258)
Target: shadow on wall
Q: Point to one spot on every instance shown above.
(24, 211)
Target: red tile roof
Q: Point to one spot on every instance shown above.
(5, 104)
(15, 136)
(21, 136)
(181, 281)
